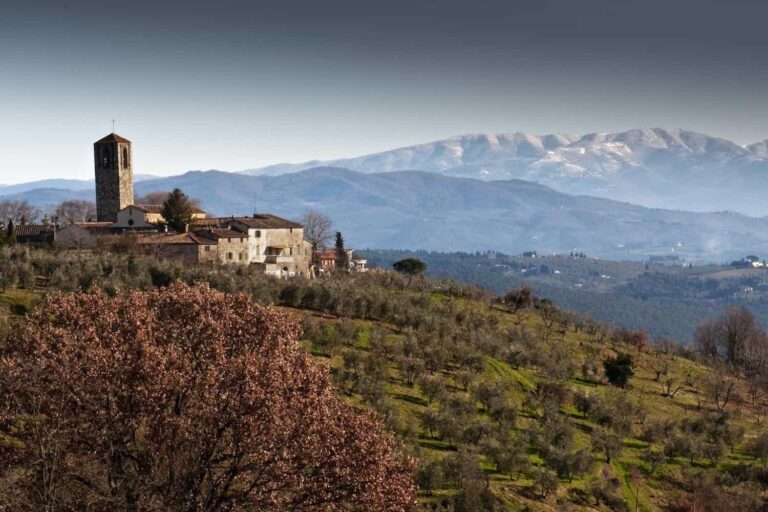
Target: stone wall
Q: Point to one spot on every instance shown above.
(233, 250)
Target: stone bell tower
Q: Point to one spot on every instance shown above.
(114, 176)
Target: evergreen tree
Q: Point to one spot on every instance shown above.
(177, 210)
(342, 261)
(10, 233)
(410, 266)
(619, 369)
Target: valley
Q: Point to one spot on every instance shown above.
(667, 300)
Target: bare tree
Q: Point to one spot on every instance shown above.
(548, 313)
(670, 387)
(20, 212)
(660, 365)
(706, 339)
(155, 197)
(720, 386)
(734, 337)
(738, 328)
(75, 210)
(755, 365)
(318, 228)
(159, 197)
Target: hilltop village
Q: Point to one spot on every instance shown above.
(269, 243)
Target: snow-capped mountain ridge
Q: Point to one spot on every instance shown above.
(760, 149)
(672, 168)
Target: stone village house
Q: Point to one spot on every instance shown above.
(204, 246)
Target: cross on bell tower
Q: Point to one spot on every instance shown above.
(114, 176)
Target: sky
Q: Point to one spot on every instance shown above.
(233, 85)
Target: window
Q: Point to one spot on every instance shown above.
(258, 234)
(126, 162)
(106, 158)
(229, 255)
(207, 248)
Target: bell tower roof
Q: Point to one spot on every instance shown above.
(112, 137)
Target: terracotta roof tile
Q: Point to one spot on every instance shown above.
(24, 230)
(174, 238)
(217, 233)
(148, 208)
(112, 137)
(93, 225)
(209, 222)
(267, 221)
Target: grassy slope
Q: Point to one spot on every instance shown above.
(655, 489)
(411, 403)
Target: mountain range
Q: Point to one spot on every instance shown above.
(660, 168)
(422, 210)
(464, 196)
(60, 184)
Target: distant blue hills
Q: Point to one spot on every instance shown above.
(433, 211)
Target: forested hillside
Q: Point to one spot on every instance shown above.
(506, 401)
(667, 299)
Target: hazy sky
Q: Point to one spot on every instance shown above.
(240, 84)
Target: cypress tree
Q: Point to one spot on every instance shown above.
(10, 233)
(342, 261)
